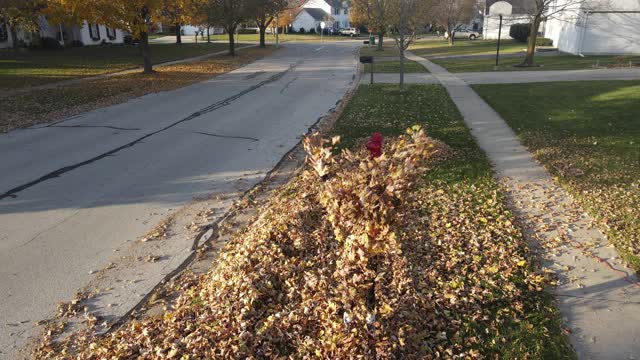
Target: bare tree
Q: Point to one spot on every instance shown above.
(543, 10)
(374, 14)
(451, 13)
(230, 14)
(264, 12)
(404, 18)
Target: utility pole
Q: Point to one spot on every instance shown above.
(498, 49)
(277, 32)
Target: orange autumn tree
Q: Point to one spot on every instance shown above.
(69, 12)
(21, 14)
(176, 13)
(133, 16)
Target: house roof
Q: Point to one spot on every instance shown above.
(317, 14)
(519, 6)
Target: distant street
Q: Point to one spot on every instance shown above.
(74, 193)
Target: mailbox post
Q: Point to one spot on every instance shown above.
(368, 60)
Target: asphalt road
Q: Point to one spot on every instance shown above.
(74, 192)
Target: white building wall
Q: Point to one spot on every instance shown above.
(70, 33)
(491, 25)
(342, 20)
(304, 20)
(612, 33)
(85, 36)
(575, 32)
(191, 30)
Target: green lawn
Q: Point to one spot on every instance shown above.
(455, 195)
(388, 50)
(393, 67)
(431, 48)
(551, 62)
(35, 67)
(587, 134)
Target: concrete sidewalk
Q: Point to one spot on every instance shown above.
(599, 304)
(510, 77)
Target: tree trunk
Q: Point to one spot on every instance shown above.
(531, 46)
(263, 31)
(179, 34)
(14, 37)
(208, 35)
(380, 39)
(146, 52)
(232, 43)
(402, 59)
(451, 37)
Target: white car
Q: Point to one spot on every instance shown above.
(463, 34)
(350, 32)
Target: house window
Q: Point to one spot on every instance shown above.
(4, 34)
(111, 33)
(94, 31)
(336, 11)
(346, 11)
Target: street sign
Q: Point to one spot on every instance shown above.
(322, 25)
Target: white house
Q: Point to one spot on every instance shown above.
(88, 34)
(596, 27)
(311, 18)
(335, 13)
(576, 27)
(340, 14)
(513, 11)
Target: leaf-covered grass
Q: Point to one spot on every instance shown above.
(587, 134)
(39, 106)
(19, 68)
(393, 67)
(432, 48)
(464, 205)
(549, 62)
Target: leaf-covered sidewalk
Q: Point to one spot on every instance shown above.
(598, 295)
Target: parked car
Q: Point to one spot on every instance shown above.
(464, 34)
(350, 32)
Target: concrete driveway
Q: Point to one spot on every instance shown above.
(74, 195)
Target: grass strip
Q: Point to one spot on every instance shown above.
(432, 48)
(587, 135)
(549, 62)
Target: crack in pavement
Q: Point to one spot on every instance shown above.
(227, 136)
(254, 75)
(89, 126)
(12, 193)
(286, 86)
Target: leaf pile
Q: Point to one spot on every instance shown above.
(448, 283)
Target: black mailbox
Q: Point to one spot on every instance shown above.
(366, 59)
